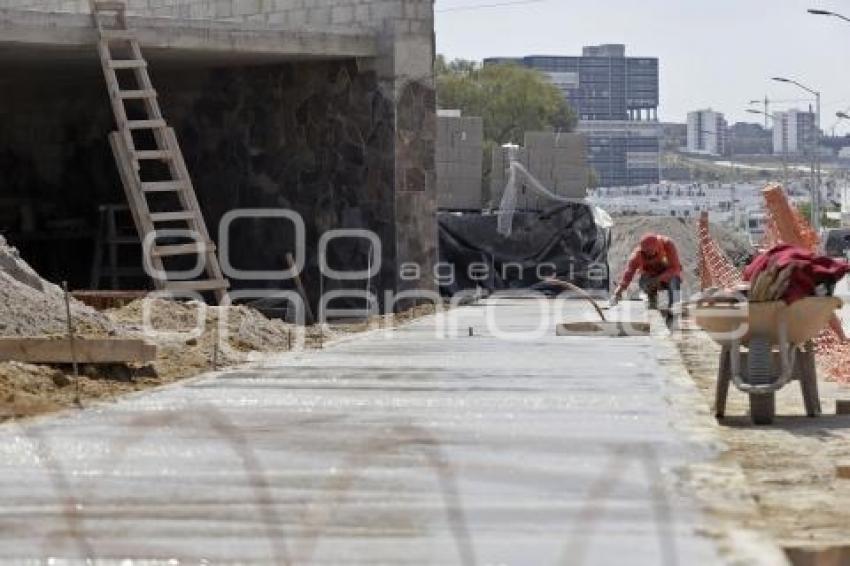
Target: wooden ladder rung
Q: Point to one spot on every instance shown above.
(183, 249)
(200, 285)
(136, 94)
(154, 154)
(163, 186)
(171, 216)
(127, 63)
(145, 124)
(118, 35)
(107, 6)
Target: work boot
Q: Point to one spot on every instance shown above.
(653, 301)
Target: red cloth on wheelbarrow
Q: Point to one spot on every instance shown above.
(810, 269)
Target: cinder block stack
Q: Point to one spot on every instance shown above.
(459, 162)
(557, 161)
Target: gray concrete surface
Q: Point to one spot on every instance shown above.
(393, 448)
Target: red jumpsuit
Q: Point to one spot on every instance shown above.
(665, 265)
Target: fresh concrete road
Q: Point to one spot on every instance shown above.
(392, 448)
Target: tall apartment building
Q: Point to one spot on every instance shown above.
(706, 132)
(794, 132)
(616, 100)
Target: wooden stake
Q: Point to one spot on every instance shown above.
(300, 287)
(215, 348)
(72, 344)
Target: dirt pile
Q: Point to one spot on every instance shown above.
(629, 229)
(187, 333)
(27, 390)
(31, 306)
(187, 345)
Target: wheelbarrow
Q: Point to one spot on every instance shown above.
(764, 346)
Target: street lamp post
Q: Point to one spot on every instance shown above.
(816, 161)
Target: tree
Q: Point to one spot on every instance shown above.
(805, 210)
(511, 99)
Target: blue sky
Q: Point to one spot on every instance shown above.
(713, 53)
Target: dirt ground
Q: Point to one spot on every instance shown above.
(790, 466)
(28, 390)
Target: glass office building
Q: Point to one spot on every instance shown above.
(603, 85)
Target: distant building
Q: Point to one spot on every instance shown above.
(794, 132)
(706, 132)
(674, 136)
(744, 138)
(459, 160)
(623, 153)
(557, 160)
(616, 100)
(601, 84)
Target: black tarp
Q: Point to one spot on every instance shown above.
(564, 242)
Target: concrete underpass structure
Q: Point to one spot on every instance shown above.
(322, 107)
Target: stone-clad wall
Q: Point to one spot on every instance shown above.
(417, 15)
(316, 138)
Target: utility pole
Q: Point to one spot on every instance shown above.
(816, 157)
(766, 112)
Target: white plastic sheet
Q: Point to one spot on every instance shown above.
(507, 208)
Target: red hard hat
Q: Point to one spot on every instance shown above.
(649, 243)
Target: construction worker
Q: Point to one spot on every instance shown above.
(657, 260)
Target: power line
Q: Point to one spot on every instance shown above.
(486, 6)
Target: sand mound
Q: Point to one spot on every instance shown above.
(31, 306)
(629, 229)
(187, 332)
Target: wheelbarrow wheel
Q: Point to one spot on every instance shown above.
(762, 408)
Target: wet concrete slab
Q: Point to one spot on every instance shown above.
(413, 446)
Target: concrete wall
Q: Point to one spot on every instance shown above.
(361, 14)
(459, 162)
(557, 161)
